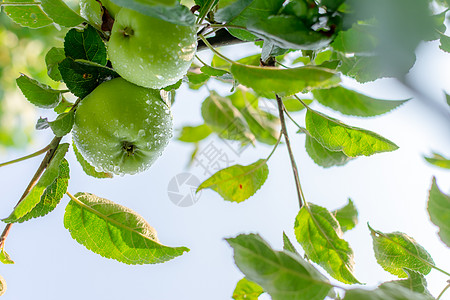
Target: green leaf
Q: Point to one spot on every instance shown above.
(238, 183)
(347, 216)
(194, 134)
(61, 13)
(385, 292)
(321, 155)
(397, 251)
(247, 290)
(166, 10)
(293, 105)
(439, 211)
(337, 136)
(331, 5)
(46, 179)
(38, 93)
(2, 286)
(63, 123)
(225, 119)
(439, 160)
(53, 57)
(87, 168)
(445, 43)
(284, 275)
(28, 16)
(415, 282)
(82, 77)
(262, 124)
(205, 7)
(268, 81)
(197, 80)
(85, 44)
(114, 231)
(52, 194)
(319, 234)
(287, 245)
(213, 71)
(360, 39)
(63, 106)
(363, 68)
(5, 258)
(353, 103)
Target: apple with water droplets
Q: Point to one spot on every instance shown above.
(122, 128)
(148, 51)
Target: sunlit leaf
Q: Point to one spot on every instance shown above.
(397, 251)
(38, 93)
(63, 123)
(445, 43)
(268, 81)
(262, 124)
(5, 258)
(85, 44)
(247, 290)
(46, 179)
(53, 57)
(28, 16)
(282, 274)
(87, 168)
(237, 183)
(194, 134)
(287, 244)
(293, 105)
(385, 292)
(415, 282)
(347, 216)
(61, 13)
(353, 103)
(364, 68)
(319, 234)
(439, 210)
(114, 231)
(438, 160)
(337, 136)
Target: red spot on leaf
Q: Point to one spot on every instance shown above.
(240, 186)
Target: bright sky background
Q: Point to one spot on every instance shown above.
(390, 191)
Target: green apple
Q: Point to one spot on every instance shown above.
(122, 128)
(91, 10)
(148, 51)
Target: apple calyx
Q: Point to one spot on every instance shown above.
(129, 148)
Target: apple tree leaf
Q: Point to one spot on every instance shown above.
(63, 123)
(320, 236)
(359, 39)
(385, 292)
(52, 194)
(363, 68)
(347, 216)
(353, 103)
(438, 160)
(28, 15)
(60, 13)
(331, 5)
(321, 155)
(247, 290)
(53, 57)
(194, 134)
(85, 44)
(46, 179)
(415, 282)
(114, 231)
(82, 77)
(205, 7)
(439, 211)
(287, 244)
(268, 81)
(213, 71)
(293, 105)
(2, 285)
(87, 168)
(37, 93)
(337, 136)
(397, 251)
(262, 124)
(445, 43)
(282, 274)
(238, 183)
(5, 258)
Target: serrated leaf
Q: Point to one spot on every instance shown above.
(46, 179)
(438, 160)
(5, 258)
(360, 39)
(319, 234)
(63, 123)
(42, 123)
(353, 103)
(166, 10)
(247, 290)
(85, 44)
(2, 286)
(445, 43)
(262, 124)
(28, 16)
(347, 216)
(238, 183)
(37, 93)
(337, 136)
(321, 155)
(194, 134)
(397, 251)
(268, 81)
(82, 77)
(415, 282)
(87, 168)
(114, 231)
(439, 211)
(60, 13)
(225, 119)
(52, 194)
(282, 274)
(287, 245)
(53, 57)
(363, 68)
(386, 292)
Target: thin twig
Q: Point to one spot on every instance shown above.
(443, 291)
(39, 152)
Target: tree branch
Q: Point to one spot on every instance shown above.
(222, 38)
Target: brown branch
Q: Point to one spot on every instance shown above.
(222, 38)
